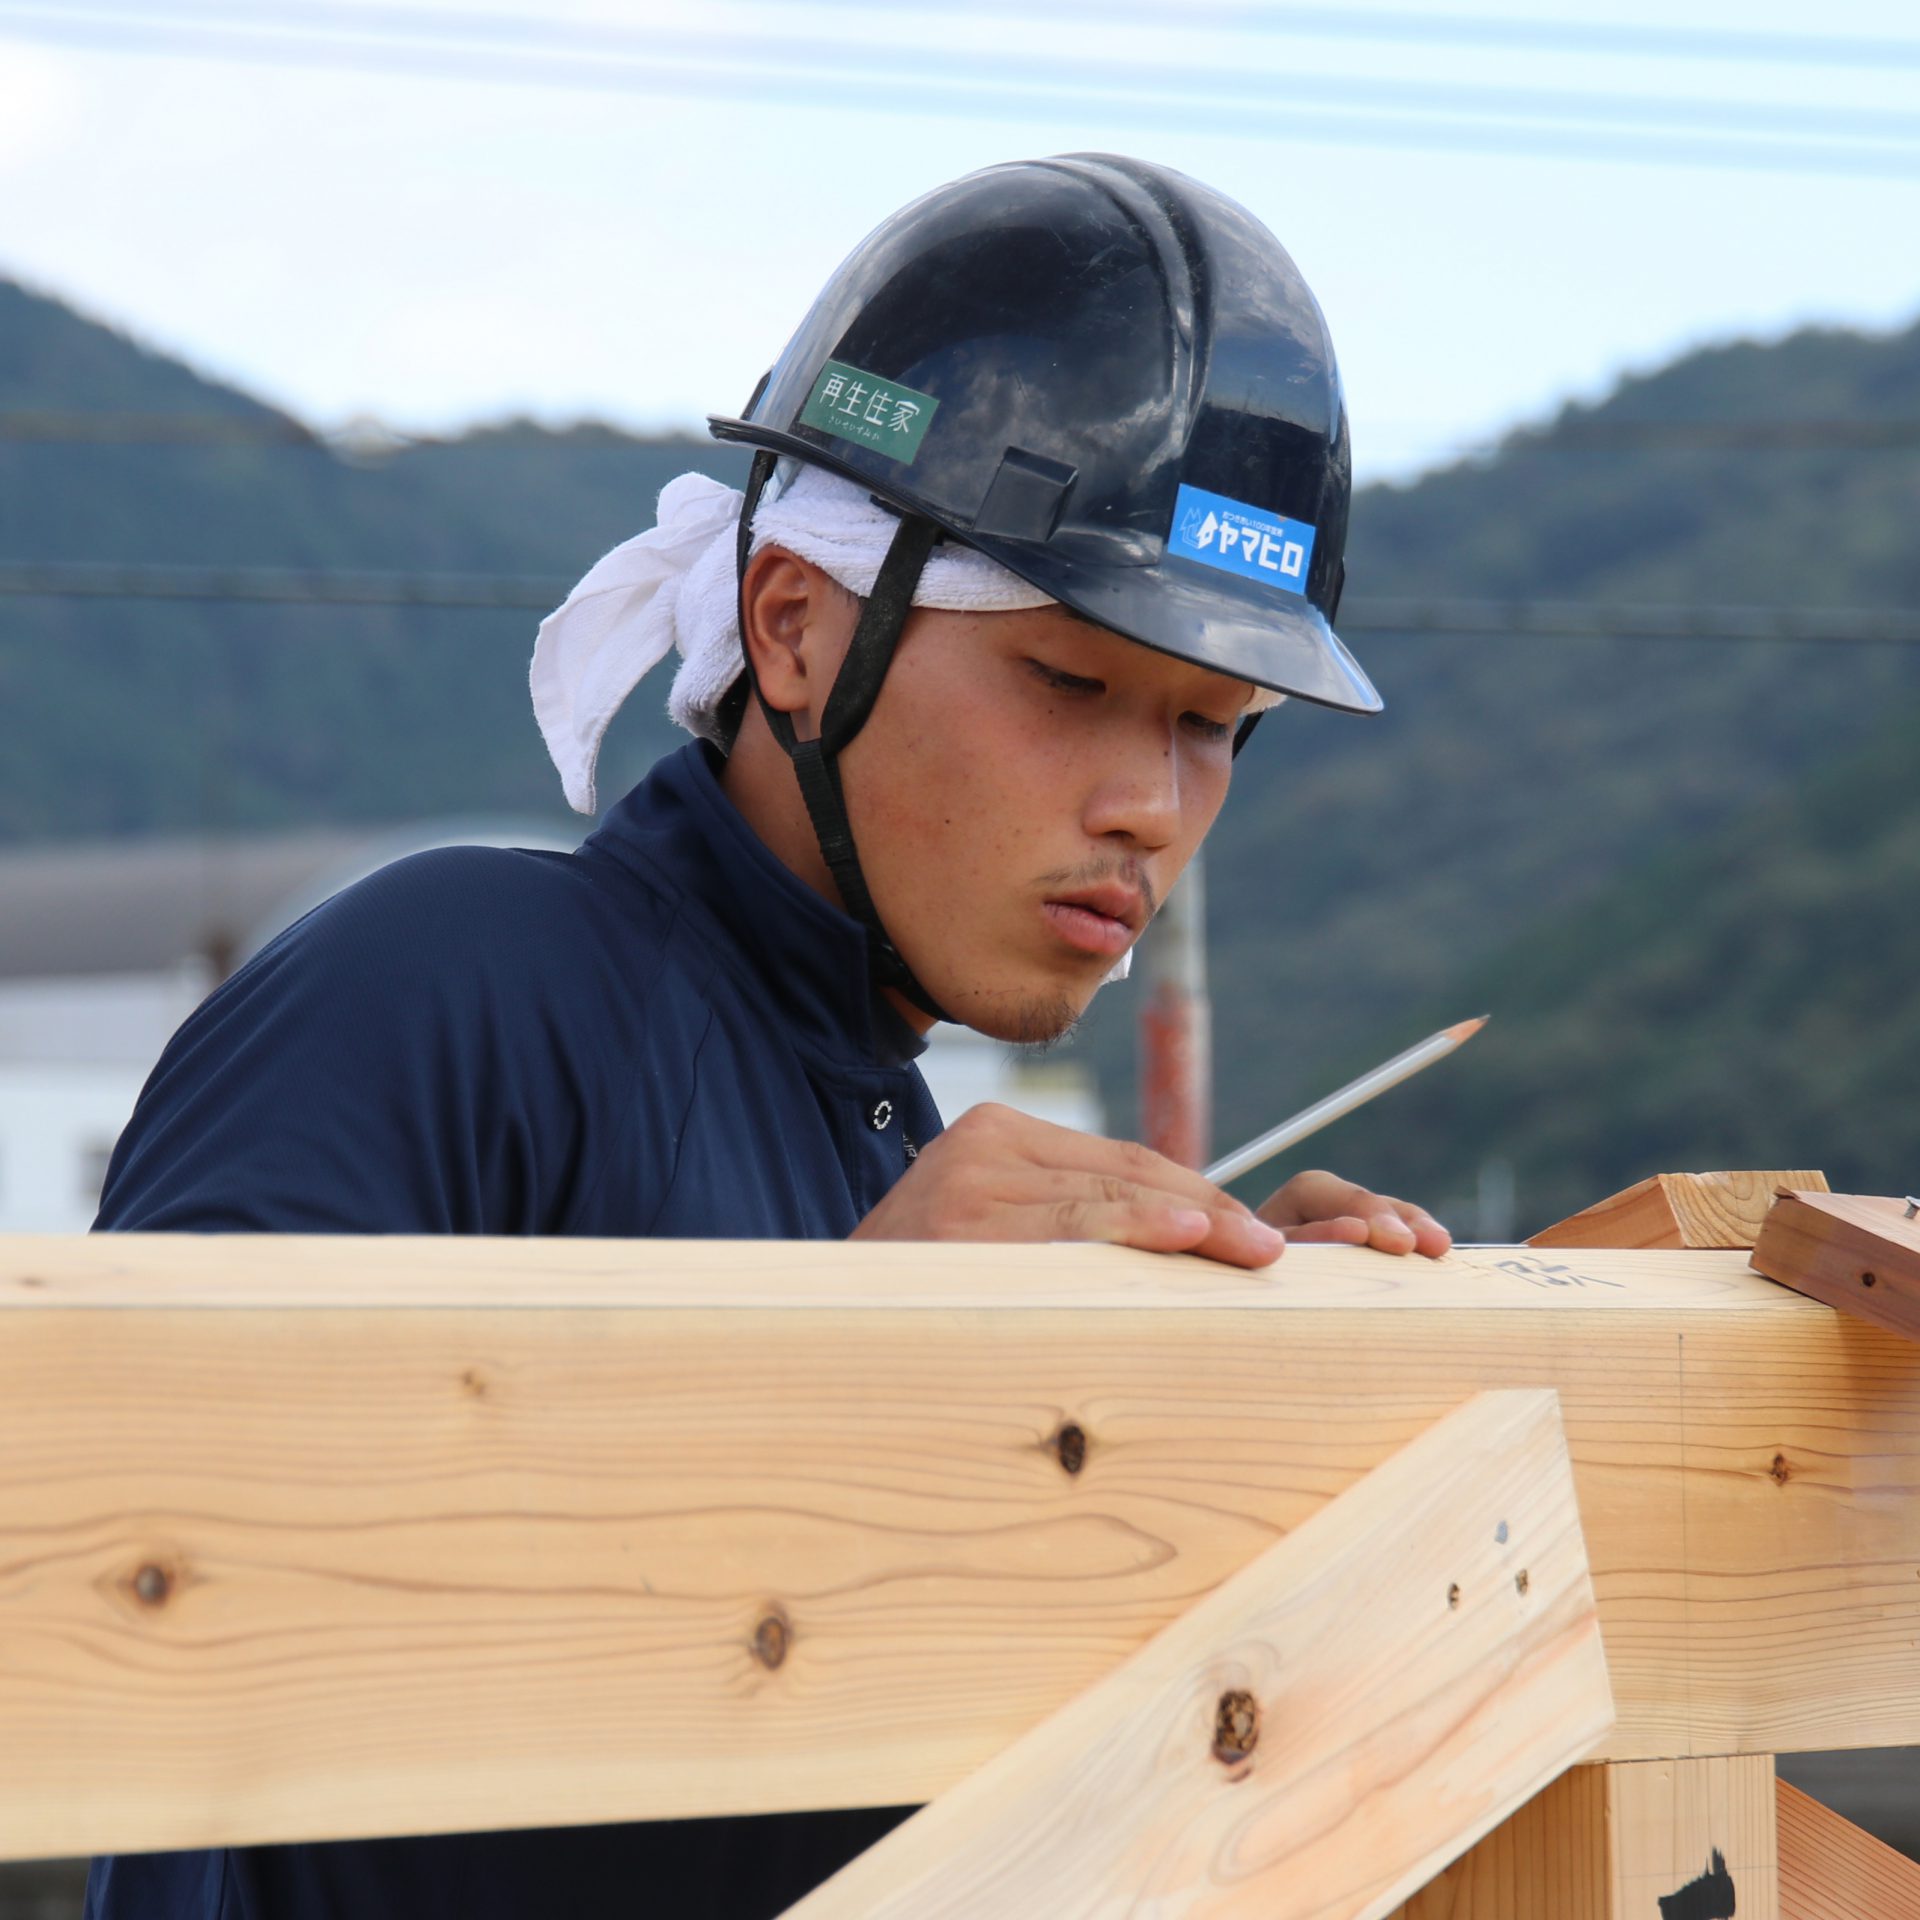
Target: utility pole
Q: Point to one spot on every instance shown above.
(1176, 1027)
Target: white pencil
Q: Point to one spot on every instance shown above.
(1356, 1093)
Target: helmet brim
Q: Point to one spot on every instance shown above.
(1197, 613)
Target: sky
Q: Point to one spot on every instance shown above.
(439, 213)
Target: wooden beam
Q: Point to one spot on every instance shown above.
(1646, 1840)
(1679, 1210)
(1831, 1870)
(596, 1530)
(1855, 1251)
(1318, 1735)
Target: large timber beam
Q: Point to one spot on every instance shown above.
(303, 1538)
(1313, 1739)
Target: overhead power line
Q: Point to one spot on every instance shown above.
(298, 25)
(286, 586)
(526, 51)
(1580, 619)
(1870, 53)
(540, 593)
(367, 442)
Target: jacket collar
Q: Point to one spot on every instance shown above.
(678, 830)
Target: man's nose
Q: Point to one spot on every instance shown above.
(1137, 796)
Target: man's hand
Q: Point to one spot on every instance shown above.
(996, 1174)
(1322, 1206)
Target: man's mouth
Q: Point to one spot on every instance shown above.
(1104, 920)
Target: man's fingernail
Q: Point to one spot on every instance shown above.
(1266, 1236)
(1190, 1220)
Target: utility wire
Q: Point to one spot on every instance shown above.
(906, 89)
(301, 26)
(1863, 52)
(1870, 53)
(540, 593)
(368, 443)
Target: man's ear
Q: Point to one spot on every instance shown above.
(798, 620)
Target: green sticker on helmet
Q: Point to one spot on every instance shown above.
(857, 406)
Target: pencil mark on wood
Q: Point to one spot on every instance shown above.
(1552, 1273)
(1710, 1897)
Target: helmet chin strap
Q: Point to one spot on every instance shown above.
(849, 702)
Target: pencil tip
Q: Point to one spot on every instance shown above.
(1468, 1028)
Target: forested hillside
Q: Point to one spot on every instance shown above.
(1573, 832)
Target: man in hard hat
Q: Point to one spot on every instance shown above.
(1047, 506)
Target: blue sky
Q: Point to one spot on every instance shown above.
(342, 227)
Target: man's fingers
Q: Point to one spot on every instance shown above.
(1067, 1150)
(1234, 1240)
(1344, 1230)
(1100, 1207)
(1320, 1206)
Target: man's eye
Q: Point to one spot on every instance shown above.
(1205, 729)
(1065, 682)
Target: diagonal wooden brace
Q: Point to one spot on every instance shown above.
(1317, 1737)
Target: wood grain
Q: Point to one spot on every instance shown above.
(273, 1272)
(1854, 1251)
(1674, 1823)
(1831, 1870)
(1547, 1861)
(1409, 1665)
(1679, 1210)
(274, 1572)
(1611, 1842)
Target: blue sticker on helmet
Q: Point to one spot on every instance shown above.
(1263, 546)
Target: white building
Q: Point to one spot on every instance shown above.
(106, 948)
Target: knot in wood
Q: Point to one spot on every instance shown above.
(1520, 1582)
(1453, 1596)
(151, 1585)
(1071, 1445)
(1867, 1279)
(1780, 1472)
(1236, 1726)
(771, 1638)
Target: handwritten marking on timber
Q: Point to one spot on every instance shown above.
(1710, 1897)
(1552, 1273)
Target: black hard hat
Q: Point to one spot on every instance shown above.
(1113, 381)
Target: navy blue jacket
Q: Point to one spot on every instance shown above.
(664, 1033)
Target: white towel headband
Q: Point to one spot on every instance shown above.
(675, 586)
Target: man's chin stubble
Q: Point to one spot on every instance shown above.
(1036, 1023)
